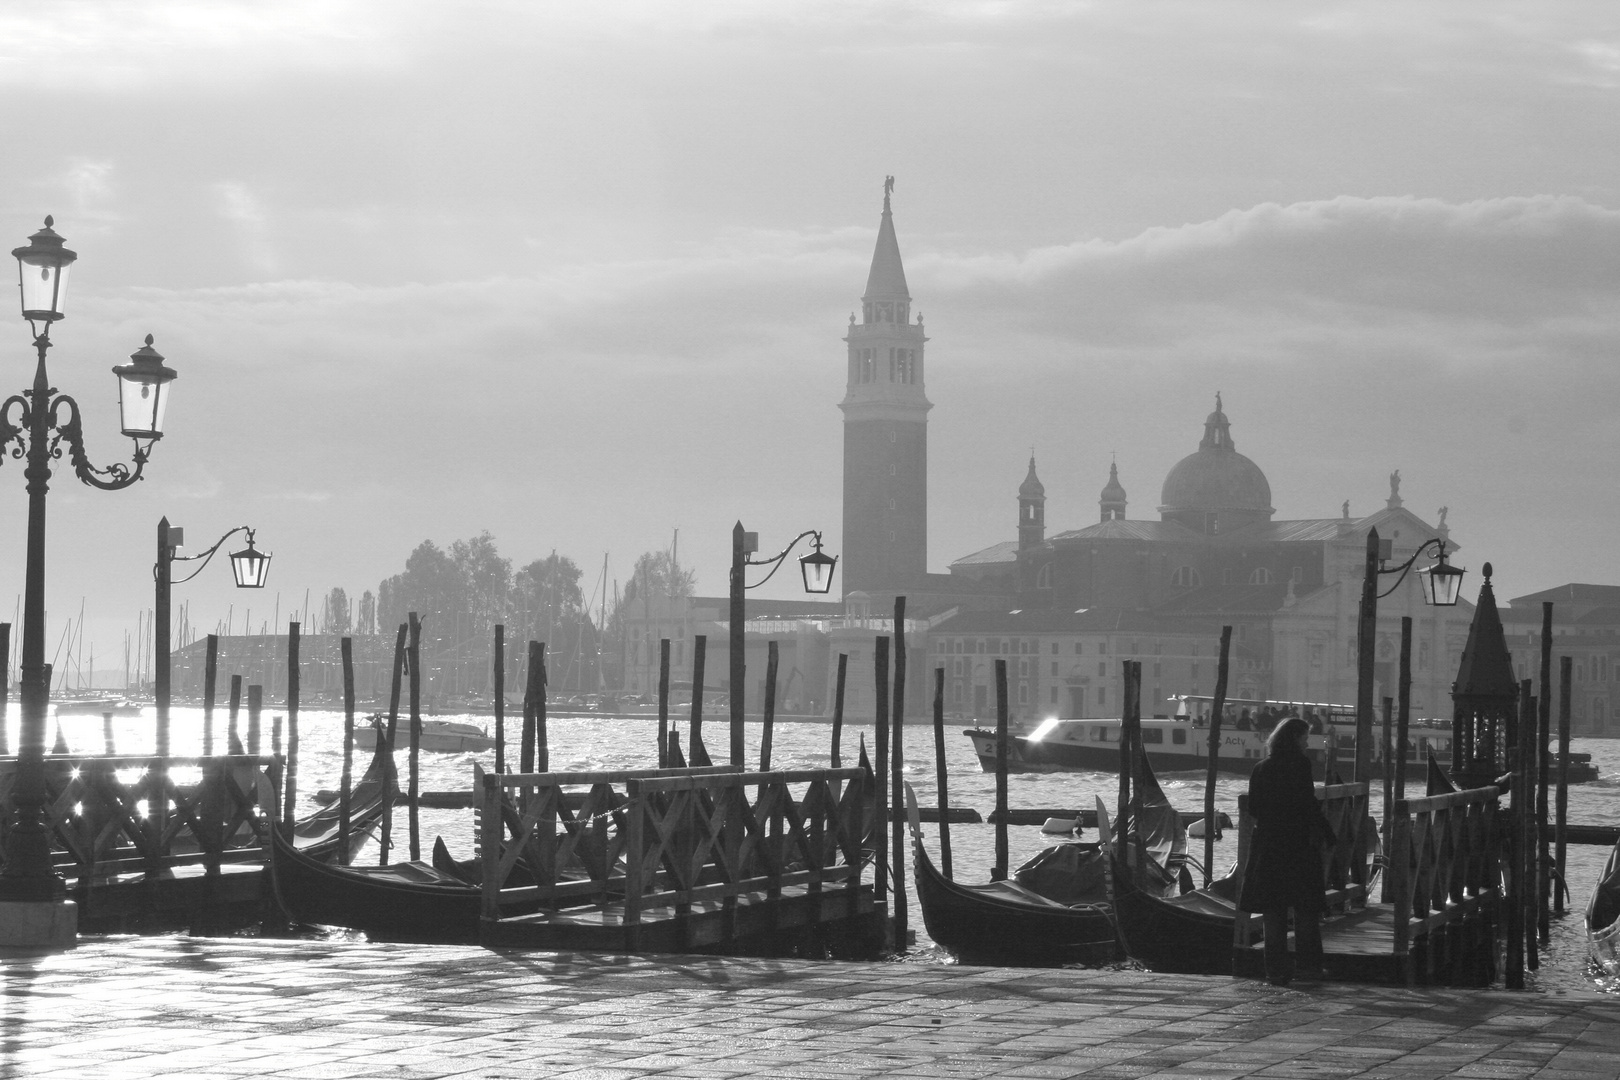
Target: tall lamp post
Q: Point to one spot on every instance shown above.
(817, 570)
(39, 425)
(250, 566)
(1442, 583)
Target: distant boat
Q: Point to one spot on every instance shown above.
(97, 706)
(438, 736)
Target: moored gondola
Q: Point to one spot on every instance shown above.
(1003, 922)
(1603, 917)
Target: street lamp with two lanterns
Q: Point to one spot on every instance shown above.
(39, 425)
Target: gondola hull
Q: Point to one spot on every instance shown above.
(1603, 918)
(403, 902)
(1188, 934)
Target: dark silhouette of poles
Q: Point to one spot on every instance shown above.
(768, 717)
(160, 625)
(537, 681)
(289, 814)
(531, 694)
(736, 616)
(1561, 836)
(999, 871)
(413, 793)
(1516, 833)
(385, 841)
(210, 677)
(1212, 827)
(836, 758)
(255, 710)
(663, 703)
(940, 772)
(897, 761)
(880, 679)
(1543, 739)
(233, 738)
(5, 683)
(500, 697)
(1403, 715)
(347, 784)
(694, 727)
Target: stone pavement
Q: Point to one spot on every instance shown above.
(177, 1006)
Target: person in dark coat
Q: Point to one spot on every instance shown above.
(1284, 870)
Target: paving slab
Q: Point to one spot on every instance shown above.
(133, 1008)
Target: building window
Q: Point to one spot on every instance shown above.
(1079, 647)
(1054, 669)
(1054, 648)
(1102, 695)
(1023, 693)
(1261, 576)
(1102, 668)
(1054, 695)
(1185, 577)
(1043, 577)
(1297, 575)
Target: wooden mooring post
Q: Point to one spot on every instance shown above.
(897, 784)
(663, 703)
(694, 724)
(385, 836)
(347, 783)
(233, 737)
(768, 716)
(940, 773)
(499, 678)
(412, 804)
(1212, 824)
(255, 709)
(290, 811)
(998, 872)
(210, 677)
(836, 755)
(5, 685)
(880, 679)
(1543, 879)
(1561, 837)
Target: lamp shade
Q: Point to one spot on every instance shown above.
(143, 392)
(817, 569)
(251, 566)
(42, 269)
(1442, 583)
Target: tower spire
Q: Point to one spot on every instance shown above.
(1031, 508)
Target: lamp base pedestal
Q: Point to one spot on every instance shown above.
(39, 925)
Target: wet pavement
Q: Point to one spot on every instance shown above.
(177, 1006)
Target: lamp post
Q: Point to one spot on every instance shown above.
(250, 566)
(38, 425)
(1442, 583)
(817, 570)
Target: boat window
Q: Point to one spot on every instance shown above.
(1152, 735)
(1178, 737)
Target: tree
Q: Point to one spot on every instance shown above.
(368, 614)
(336, 619)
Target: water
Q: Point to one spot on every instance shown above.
(594, 743)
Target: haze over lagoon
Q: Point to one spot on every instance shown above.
(577, 276)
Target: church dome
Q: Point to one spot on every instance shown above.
(1216, 477)
(1032, 488)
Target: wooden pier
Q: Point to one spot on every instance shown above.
(1436, 913)
(148, 843)
(695, 860)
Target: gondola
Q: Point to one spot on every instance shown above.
(1603, 917)
(1189, 933)
(317, 835)
(408, 901)
(1166, 924)
(1004, 923)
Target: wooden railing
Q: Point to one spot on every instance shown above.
(114, 815)
(1442, 862)
(1346, 862)
(669, 838)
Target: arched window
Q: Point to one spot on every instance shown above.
(1186, 577)
(1261, 576)
(1043, 577)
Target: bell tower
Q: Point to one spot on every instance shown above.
(885, 410)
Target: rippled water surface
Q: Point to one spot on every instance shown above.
(588, 743)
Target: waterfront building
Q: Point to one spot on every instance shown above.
(1586, 628)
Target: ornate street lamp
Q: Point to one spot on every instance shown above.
(1442, 583)
(817, 570)
(250, 568)
(38, 425)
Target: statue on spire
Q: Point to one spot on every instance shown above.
(1394, 489)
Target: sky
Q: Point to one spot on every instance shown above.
(577, 274)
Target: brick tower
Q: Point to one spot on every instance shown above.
(885, 537)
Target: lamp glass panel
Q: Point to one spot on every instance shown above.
(818, 571)
(44, 288)
(1442, 584)
(141, 405)
(251, 568)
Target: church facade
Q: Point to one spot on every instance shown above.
(1159, 589)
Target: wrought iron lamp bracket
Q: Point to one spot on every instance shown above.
(1406, 567)
(775, 561)
(205, 556)
(64, 417)
(11, 431)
